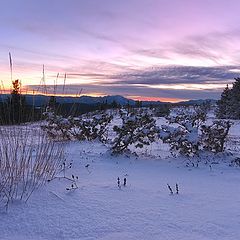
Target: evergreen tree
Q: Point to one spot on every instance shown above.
(224, 107)
(52, 104)
(229, 104)
(235, 99)
(138, 104)
(16, 104)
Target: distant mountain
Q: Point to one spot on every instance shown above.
(40, 100)
(198, 101)
(106, 99)
(153, 103)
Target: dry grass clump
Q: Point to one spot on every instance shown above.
(27, 160)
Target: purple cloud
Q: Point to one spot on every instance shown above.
(122, 43)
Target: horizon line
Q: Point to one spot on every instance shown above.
(133, 98)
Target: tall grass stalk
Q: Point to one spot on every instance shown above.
(27, 160)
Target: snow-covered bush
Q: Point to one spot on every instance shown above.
(183, 139)
(214, 136)
(90, 129)
(57, 127)
(195, 115)
(138, 129)
(80, 128)
(187, 132)
(27, 160)
(182, 132)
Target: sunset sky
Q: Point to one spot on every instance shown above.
(143, 49)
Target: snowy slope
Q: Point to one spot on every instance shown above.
(206, 208)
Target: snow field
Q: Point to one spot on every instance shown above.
(206, 208)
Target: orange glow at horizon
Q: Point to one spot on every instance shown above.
(34, 79)
(140, 98)
(172, 100)
(161, 99)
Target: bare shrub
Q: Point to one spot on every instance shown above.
(27, 160)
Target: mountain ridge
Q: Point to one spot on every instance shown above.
(40, 100)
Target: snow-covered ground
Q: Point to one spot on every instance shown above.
(207, 206)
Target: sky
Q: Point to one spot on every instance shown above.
(169, 50)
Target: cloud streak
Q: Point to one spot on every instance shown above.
(146, 48)
(179, 81)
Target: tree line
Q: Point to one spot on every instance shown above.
(228, 107)
(16, 109)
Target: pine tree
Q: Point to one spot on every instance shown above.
(17, 104)
(52, 104)
(229, 104)
(235, 99)
(138, 104)
(224, 107)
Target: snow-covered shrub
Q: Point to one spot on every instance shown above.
(138, 129)
(187, 132)
(182, 133)
(214, 136)
(57, 127)
(27, 160)
(183, 138)
(90, 129)
(195, 115)
(80, 128)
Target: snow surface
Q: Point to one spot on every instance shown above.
(206, 208)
